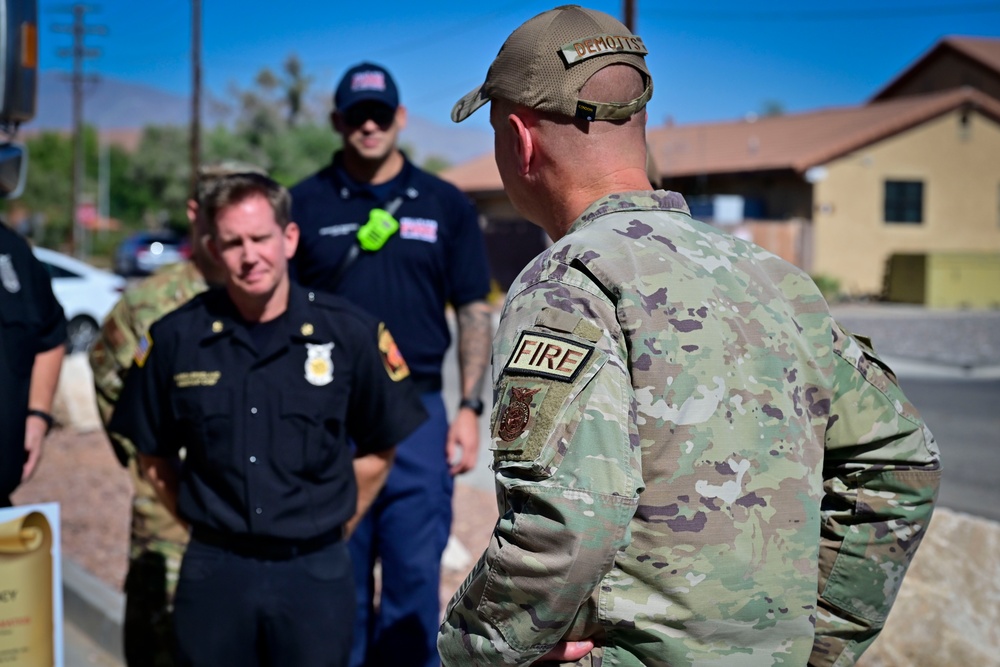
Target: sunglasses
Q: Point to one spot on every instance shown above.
(361, 113)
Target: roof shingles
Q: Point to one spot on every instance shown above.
(793, 141)
(799, 141)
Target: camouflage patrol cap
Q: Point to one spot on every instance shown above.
(209, 174)
(545, 62)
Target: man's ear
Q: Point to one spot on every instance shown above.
(524, 145)
(401, 117)
(291, 234)
(213, 248)
(337, 122)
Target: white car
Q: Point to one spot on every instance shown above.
(86, 294)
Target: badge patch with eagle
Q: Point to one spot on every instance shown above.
(319, 365)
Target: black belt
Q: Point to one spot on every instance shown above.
(427, 383)
(265, 548)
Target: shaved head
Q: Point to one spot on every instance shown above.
(614, 83)
(553, 165)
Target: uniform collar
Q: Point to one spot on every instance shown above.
(348, 188)
(304, 326)
(224, 320)
(646, 200)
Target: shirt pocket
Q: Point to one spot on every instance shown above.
(203, 425)
(310, 430)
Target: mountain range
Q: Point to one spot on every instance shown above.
(117, 106)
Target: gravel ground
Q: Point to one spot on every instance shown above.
(79, 471)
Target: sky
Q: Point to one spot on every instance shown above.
(710, 59)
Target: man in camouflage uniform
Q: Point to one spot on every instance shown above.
(695, 464)
(157, 538)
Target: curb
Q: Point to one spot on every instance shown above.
(908, 367)
(94, 608)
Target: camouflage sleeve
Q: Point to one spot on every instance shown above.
(881, 476)
(568, 470)
(110, 359)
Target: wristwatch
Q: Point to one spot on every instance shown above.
(474, 404)
(48, 419)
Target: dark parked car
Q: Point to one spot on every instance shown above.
(145, 252)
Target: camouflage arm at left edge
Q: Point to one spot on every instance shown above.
(569, 488)
(881, 477)
(110, 359)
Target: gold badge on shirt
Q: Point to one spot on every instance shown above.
(319, 365)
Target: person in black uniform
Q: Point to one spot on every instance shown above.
(430, 253)
(32, 333)
(265, 383)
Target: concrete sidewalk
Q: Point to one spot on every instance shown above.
(95, 610)
(906, 367)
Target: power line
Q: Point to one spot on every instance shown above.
(79, 52)
(434, 38)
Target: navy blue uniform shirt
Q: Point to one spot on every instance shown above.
(438, 256)
(31, 321)
(266, 431)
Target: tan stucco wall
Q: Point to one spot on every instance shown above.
(961, 175)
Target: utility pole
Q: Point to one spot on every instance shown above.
(628, 12)
(78, 52)
(195, 95)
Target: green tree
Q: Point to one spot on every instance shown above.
(48, 191)
(129, 199)
(289, 155)
(436, 164)
(273, 128)
(160, 167)
(295, 86)
(149, 186)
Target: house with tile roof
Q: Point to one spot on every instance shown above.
(954, 62)
(839, 191)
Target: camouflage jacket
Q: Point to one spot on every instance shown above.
(695, 464)
(126, 324)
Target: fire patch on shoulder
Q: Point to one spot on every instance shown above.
(548, 356)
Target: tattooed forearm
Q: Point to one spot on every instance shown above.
(474, 335)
